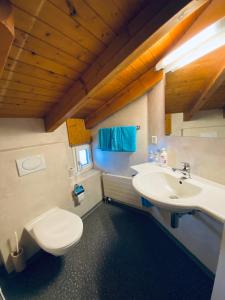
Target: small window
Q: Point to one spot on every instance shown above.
(82, 157)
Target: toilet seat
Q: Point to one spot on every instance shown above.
(58, 231)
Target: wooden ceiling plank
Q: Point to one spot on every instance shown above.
(70, 27)
(29, 27)
(47, 34)
(32, 7)
(32, 81)
(7, 114)
(29, 89)
(26, 102)
(51, 15)
(128, 8)
(25, 95)
(215, 83)
(36, 60)
(6, 32)
(20, 107)
(88, 18)
(35, 45)
(126, 96)
(131, 48)
(146, 14)
(36, 72)
(109, 12)
(21, 114)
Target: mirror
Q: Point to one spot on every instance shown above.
(205, 123)
(195, 98)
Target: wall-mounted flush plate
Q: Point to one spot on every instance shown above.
(154, 139)
(30, 164)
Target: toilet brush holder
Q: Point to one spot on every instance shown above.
(18, 260)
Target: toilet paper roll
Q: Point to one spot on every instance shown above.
(80, 198)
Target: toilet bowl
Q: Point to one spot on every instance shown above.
(56, 231)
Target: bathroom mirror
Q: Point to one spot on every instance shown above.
(195, 98)
(204, 124)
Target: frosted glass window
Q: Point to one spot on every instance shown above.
(83, 157)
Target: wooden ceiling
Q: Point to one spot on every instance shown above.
(89, 58)
(52, 48)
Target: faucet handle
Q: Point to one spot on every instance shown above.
(186, 165)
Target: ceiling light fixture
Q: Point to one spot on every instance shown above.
(209, 39)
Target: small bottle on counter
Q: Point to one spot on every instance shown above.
(151, 157)
(163, 158)
(156, 157)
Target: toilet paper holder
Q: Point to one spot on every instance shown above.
(78, 194)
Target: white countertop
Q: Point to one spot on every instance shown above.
(211, 200)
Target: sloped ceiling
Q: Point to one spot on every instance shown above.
(57, 41)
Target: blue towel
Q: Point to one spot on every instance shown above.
(129, 138)
(118, 139)
(124, 139)
(104, 139)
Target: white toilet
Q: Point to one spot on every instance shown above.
(56, 231)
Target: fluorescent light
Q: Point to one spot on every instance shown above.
(204, 42)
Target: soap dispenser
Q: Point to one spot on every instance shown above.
(163, 158)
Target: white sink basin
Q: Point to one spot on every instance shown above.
(164, 189)
(164, 185)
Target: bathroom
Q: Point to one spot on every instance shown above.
(83, 212)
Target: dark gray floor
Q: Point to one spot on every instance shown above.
(122, 255)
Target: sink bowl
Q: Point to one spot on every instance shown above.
(163, 185)
(164, 188)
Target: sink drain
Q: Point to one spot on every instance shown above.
(173, 197)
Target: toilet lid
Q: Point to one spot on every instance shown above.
(59, 229)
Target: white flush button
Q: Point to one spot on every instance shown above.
(30, 164)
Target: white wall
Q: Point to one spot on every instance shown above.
(206, 156)
(24, 198)
(117, 162)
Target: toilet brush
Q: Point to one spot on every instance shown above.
(17, 243)
(1, 294)
(17, 256)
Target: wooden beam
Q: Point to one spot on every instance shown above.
(141, 33)
(77, 133)
(126, 96)
(215, 83)
(6, 31)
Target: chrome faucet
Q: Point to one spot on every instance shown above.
(186, 171)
